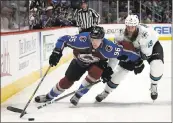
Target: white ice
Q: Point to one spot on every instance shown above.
(130, 102)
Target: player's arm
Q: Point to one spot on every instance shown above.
(123, 51)
(132, 55)
(64, 41)
(147, 42)
(146, 49)
(74, 42)
(57, 51)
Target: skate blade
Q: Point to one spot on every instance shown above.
(73, 106)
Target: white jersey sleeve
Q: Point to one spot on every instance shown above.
(148, 38)
(119, 35)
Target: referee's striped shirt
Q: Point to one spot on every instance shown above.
(86, 19)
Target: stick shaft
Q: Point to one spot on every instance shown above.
(67, 95)
(23, 112)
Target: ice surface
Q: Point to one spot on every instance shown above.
(130, 102)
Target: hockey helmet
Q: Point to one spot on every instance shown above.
(84, 1)
(97, 32)
(132, 20)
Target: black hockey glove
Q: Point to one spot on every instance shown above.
(55, 57)
(107, 71)
(102, 64)
(143, 56)
(139, 66)
(122, 58)
(106, 75)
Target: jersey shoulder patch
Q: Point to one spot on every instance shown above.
(108, 48)
(82, 38)
(144, 35)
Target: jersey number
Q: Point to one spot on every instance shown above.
(72, 38)
(117, 50)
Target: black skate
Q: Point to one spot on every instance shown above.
(154, 93)
(75, 99)
(102, 96)
(42, 98)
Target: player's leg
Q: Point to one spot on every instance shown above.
(94, 73)
(65, 83)
(119, 74)
(156, 68)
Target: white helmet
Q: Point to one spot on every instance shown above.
(132, 20)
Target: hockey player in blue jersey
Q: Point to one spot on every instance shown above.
(90, 50)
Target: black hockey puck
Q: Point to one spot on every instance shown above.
(31, 119)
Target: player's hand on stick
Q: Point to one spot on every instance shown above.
(139, 66)
(106, 75)
(55, 57)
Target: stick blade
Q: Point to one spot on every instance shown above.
(13, 109)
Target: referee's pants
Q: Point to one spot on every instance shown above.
(86, 30)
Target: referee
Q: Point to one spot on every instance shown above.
(86, 18)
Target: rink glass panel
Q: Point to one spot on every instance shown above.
(115, 11)
(15, 15)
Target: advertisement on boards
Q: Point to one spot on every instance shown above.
(48, 46)
(8, 59)
(19, 56)
(164, 30)
(5, 59)
(48, 41)
(27, 51)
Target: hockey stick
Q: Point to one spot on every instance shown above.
(23, 112)
(13, 109)
(69, 94)
(18, 110)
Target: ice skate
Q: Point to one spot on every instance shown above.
(75, 99)
(154, 93)
(42, 98)
(102, 96)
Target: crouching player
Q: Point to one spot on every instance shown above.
(90, 50)
(146, 41)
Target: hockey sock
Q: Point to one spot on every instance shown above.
(55, 91)
(154, 80)
(110, 86)
(84, 84)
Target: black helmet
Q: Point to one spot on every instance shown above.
(97, 32)
(84, 1)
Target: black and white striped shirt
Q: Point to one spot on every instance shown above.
(86, 19)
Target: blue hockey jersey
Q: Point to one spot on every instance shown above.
(83, 51)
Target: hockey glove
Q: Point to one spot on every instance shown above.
(143, 56)
(123, 58)
(139, 66)
(101, 64)
(106, 75)
(107, 71)
(55, 57)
